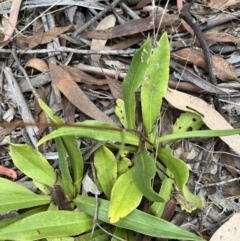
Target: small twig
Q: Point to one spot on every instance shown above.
(110, 234)
(72, 50)
(95, 216)
(214, 163)
(185, 14)
(23, 70)
(129, 11)
(89, 23)
(217, 183)
(198, 32)
(22, 106)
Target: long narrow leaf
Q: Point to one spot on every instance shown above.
(95, 130)
(67, 182)
(133, 80)
(74, 152)
(205, 133)
(137, 221)
(155, 84)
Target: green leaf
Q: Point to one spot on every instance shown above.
(157, 208)
(188, 121)
(67, 183)
(98, 235)
(49, 224)
(120, 112)
(125, 197)
(106, 166)
(143, 171)
(133, 80)
(61, 239)
(155, 84)
(95, 130)
(123, 234)
(14, 197)
(137, 221)
(180, 172)
(33, 164)
(76, 159)
(9, 221)
(71, 146)
(123, 165)
(205, 134)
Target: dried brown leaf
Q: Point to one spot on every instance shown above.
(220, 4)
(115, 87)
(47, 36)
(133, 26)
(210, 116)
(213, 38)
(141, 4)
(134, 39)
(75, 95)
(36, 39)
(224, 70)
(82, 77)
(38, 64)
(229, 160)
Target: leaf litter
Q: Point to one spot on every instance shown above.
(91, 86)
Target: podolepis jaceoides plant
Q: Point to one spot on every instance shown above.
(125, 163)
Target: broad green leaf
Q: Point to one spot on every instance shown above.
(133, 79)
(95, 130)
(33, 164)
(72, 148)
(106, 166)
(180, 173)
(49, 224)
(125, 197)
(137, 221)
(155, 84)
(14, 197)
(144, 170)
(157, 208)
(120, 112)
(188, 121)
(9, 221)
